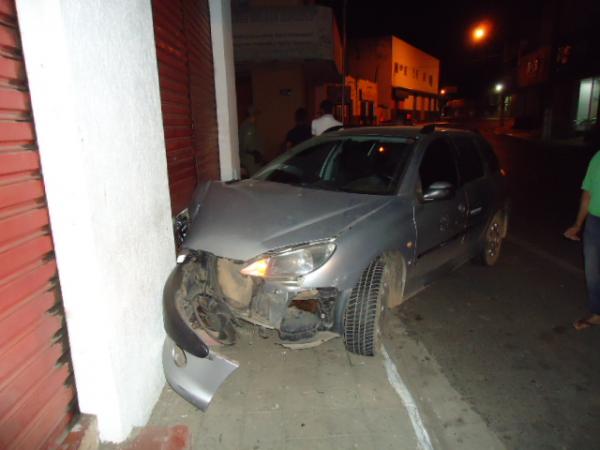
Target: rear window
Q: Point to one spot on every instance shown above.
(470, 165)
(489, 156)
(438, 164)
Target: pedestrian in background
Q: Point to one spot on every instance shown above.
(589, 214)
(326, 120)
(301, 131)
(251, 148)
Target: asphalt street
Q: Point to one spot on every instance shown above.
(502, 337)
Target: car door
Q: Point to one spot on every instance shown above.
(477, 187)
(441, 222)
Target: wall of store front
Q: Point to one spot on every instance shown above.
(96, 100)
(95, 96)
(277, 93)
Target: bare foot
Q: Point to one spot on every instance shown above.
(587, 322)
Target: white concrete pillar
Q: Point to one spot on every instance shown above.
(94, 85)
(222, 47)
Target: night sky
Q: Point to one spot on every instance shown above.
(442, 29)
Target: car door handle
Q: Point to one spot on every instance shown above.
(476, 211)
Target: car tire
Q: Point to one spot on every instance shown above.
(362, 315)
(492, 241)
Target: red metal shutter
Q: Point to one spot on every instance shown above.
(202, 89)
(37, 395)
(185, 71)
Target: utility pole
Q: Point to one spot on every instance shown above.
(344, 5)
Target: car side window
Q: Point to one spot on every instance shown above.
(438, 164)
(470, 165)
(490, 157)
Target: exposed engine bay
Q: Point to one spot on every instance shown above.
(215, 298)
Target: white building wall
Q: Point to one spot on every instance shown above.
(94, 86)
(223, 63)
(415, 68)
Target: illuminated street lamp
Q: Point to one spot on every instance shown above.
(443, 92)
(479, 33)
(499, 87)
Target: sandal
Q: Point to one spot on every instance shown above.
(583, 324)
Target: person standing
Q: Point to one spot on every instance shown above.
(301, 131)
(251, 149)
(326, 120)
(589, 214)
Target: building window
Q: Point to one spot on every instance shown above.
(430, 80)
(405, 70)
(587, 106)
(395, 67)
(424, 76)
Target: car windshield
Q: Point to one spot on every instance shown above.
(364, 166)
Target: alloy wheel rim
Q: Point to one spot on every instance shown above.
(494, 239)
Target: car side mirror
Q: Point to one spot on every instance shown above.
(440, 190)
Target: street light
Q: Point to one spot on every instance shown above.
(480, 32)
(499, 87)
(443, 92)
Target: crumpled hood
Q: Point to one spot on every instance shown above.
(245, 219)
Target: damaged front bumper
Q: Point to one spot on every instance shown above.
(206, 299)
(195, 379)
(191, 368)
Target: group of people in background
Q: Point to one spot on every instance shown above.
(251, 147)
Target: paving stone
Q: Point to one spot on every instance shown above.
(264, 399)
(307, 424)
(280, 399)
(160, 438)
(261, 427)
(347, 422)
(365, 442)
(383, 421)
(378, 395)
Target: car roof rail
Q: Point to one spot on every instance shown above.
(334, 128)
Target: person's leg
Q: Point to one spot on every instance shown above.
(591, 252)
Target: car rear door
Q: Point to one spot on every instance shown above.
(440, 224)
(476, 185)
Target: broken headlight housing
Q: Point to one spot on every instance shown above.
(181, 224)
(290, 263)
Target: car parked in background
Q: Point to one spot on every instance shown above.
(324, 238)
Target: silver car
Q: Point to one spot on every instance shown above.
(323, 239)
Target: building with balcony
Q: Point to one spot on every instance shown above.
(407, 77)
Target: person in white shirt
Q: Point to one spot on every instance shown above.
(326, 121)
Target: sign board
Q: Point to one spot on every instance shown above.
(283, 34)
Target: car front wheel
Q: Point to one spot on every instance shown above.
(363, 312)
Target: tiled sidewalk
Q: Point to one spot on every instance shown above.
(320, 398)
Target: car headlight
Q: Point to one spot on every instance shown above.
(291, 262)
